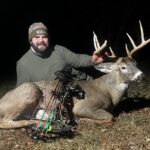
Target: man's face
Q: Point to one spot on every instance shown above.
(40, 43)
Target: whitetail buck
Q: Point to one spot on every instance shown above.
(101, 95)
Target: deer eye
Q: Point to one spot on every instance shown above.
(123, 67)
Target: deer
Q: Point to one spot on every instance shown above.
(101, 94)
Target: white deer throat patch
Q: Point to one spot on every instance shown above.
(122, 86)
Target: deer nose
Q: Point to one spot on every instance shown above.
(141, 76)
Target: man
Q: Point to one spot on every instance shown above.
(42, 60)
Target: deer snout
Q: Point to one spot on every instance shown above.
(139, 76)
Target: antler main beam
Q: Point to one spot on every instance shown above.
(135, 47)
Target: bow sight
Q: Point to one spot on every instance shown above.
(57, 122)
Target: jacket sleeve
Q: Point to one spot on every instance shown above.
(76, 60)
(22, 74)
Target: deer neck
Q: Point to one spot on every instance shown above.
(115, 81)
(116, 85)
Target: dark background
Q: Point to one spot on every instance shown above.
(71, 24)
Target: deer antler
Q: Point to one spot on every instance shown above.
(135, 47)
(112, 53)
(99, 48)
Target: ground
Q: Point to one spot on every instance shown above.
(130, 131)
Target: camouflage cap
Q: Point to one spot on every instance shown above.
(37, 28)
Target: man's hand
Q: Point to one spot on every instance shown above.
(97, 58)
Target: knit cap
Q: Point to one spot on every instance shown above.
(37, 28)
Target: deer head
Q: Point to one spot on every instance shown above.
(126, 65)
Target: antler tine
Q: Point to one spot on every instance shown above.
(135, 47)
(97, 46)
(113, 55)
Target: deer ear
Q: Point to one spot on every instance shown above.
(105, 67)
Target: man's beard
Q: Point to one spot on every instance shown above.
(42, 50)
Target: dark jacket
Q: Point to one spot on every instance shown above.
(32, 67)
